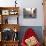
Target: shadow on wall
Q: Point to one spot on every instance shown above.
(37, 29)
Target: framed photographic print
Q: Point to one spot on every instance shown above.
(5, 12)
(29, 12)
(13, 12)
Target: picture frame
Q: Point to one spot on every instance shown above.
(13, 12)
(29, 12)
(5, 12)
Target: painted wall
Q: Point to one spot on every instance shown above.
(32, 4)
(27, 4)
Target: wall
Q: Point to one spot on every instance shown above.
(27, 4)
(32, 4)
